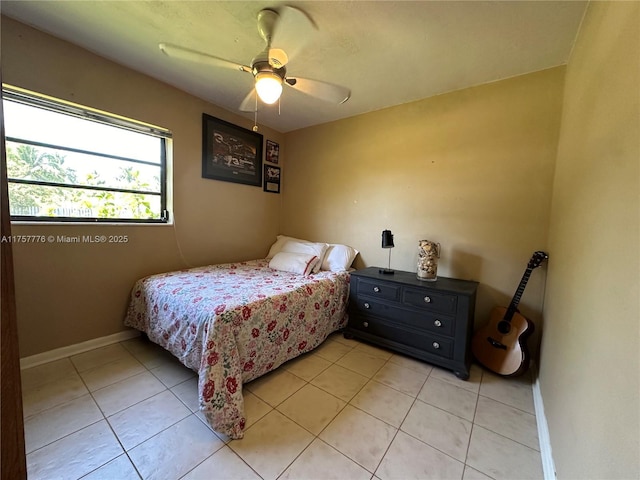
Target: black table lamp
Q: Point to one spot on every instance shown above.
(387, 242)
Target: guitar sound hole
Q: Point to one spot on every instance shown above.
(504, 327)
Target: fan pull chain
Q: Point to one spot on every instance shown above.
(255, 116)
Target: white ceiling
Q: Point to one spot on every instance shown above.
(386, 52)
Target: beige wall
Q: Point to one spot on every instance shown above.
(589, 372)
(471, 169)
(69, 293)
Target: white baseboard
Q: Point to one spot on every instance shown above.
(548, 466)
(63, 352)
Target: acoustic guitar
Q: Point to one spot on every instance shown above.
(501, 345)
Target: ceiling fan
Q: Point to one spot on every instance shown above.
(284, 31)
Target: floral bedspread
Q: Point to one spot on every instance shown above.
(235, 322)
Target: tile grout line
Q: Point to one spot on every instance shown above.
(473, 425)
(104, 418)
(415, 399)
(166, 428)
(331, 363)
(507, 405)
(275, 408)
(341, 410)
(109, 423)
(398, 429)
(101, 411)
(317, 437)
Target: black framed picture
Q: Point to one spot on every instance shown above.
(271, 179)
(230, 153)
(273, 152)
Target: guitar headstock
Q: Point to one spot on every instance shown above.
(536, 259)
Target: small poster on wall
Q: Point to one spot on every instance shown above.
(273, 152)
(271, 179)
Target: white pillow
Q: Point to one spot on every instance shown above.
(295, 245)
(277, 247)
(317, 249)
(280, 241)
(338, 258)
(293, 262)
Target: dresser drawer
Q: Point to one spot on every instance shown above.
(388, 291)
(429, 300)
(423, 320)
(424, 341)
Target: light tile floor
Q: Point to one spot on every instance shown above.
(347, 410)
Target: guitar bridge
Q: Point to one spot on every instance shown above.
(496, 343)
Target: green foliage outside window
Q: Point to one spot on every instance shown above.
(29, 162)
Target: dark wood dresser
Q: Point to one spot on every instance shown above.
(431, 321)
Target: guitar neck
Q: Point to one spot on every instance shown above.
(513, 306)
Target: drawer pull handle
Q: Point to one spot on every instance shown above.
(427, 299)
(366, 305)
(437, 323)
(436, 345)
(376, 289)
(365, 324)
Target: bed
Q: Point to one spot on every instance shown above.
(232, 323)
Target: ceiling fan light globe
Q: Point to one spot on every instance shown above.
(269, 87)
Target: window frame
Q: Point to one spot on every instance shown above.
(37, 100)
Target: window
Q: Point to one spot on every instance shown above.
(66, 162)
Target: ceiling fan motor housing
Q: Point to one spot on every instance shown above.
(263, 66)
(267, 19)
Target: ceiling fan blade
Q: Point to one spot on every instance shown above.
(249, 102)
(292, 31)
(174, 51)
(322, 90)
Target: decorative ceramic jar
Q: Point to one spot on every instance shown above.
(428, 255)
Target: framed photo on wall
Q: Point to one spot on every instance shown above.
(230, 153)
(273, 152)
(271, 179)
